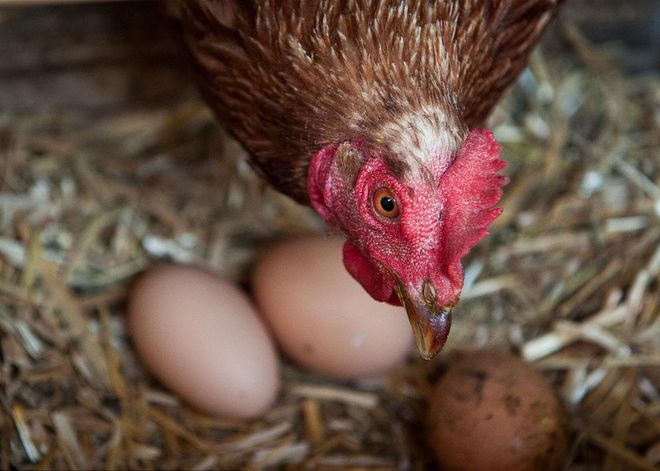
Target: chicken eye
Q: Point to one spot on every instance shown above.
(385, 204)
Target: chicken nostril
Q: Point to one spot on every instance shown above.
(428, 292)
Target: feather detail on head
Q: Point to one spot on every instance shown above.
(290, 77)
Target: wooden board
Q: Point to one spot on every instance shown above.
(91, 56)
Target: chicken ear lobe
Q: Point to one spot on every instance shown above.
(332, 171)
(319, 185)
(471, 187)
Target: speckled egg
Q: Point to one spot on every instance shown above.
(491, 411)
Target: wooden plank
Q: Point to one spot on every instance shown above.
(90, 56)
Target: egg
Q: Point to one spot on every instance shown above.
(492, 411)
(321, 317)
(201, 337)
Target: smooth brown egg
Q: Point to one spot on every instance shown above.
(321, 317)
(201, 337)
(491, 411)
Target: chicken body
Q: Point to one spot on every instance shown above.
(366, 109)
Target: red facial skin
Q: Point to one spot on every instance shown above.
(442, 215)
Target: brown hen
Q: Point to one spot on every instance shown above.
(367, 109)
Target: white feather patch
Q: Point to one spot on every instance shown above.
(423, 136)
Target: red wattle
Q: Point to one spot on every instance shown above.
(378, 285)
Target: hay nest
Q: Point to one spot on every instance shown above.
(569, 277)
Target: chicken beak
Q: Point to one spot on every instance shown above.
(430, 322)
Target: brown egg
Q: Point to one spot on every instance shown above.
(491, 411)
(321, 317)
(202, 338)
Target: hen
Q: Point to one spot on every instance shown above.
(368, 111)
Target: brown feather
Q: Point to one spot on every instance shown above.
(289, 77)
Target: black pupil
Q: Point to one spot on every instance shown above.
(387, 203)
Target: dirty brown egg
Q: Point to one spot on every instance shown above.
(491, 411)
(201, 337)
(321, 317)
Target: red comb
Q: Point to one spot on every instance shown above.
(471, 187)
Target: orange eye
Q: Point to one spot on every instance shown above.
(385, 203)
